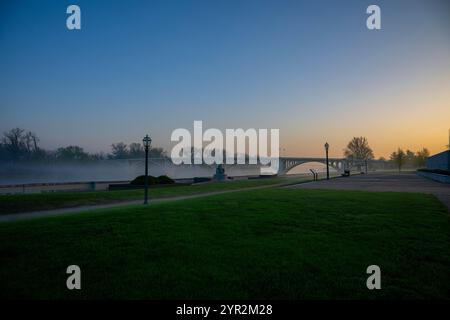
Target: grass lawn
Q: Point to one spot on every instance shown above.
(45, 201)
(268, 243)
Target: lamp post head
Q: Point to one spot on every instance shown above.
(147, 141)
(326, 146)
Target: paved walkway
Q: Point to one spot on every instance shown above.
(397, 182)
(57, 212)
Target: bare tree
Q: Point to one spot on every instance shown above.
(358, 148)
(28, 140)
(34, 139)
(14, 142)
(119, 150)
(136, 150)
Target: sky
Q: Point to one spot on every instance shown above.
(309, 68)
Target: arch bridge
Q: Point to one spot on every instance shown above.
(339, 164)
(285, 163)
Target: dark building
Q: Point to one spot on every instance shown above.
(439, 161)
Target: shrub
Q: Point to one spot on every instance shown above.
(140, 180)
(165, 180)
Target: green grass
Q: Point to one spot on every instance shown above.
(268, 243)
(46, 201)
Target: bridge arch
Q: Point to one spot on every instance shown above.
(287, 164)
(299, 164)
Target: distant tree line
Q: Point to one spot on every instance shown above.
(409, 158)
(20, 145)
(135, 150)
(358, 148)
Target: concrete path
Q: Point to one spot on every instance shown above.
(397, 182)
(57, 212)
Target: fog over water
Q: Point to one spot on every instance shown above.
(120, 170)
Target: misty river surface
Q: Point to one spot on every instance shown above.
(120, 170)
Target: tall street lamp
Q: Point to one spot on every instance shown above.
(147, 141)
(327, 146)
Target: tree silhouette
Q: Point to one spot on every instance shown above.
(399, 158)
(71, 153)
(358, 148)
(119, 150)
(136, 150)
(420, 159)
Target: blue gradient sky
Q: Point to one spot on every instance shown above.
(310, 68)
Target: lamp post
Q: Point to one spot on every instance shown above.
(327, 146)
(146, 141)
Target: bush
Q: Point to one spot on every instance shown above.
(152, 180)
(165, 180)
(140, 180)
